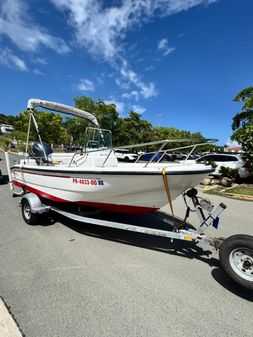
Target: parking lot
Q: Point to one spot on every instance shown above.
(69, 279)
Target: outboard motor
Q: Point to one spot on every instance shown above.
(38, 152)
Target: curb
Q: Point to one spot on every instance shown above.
(240, 196)
(8, 324)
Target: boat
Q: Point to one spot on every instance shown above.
(94, 178)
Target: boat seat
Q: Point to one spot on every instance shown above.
(92, 144)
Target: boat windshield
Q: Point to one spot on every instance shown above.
(97, 139)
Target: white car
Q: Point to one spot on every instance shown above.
(233, 161)
(245, 173)
(125, 155)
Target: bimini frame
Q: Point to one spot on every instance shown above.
(53, 106)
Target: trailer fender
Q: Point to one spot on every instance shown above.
(35, 203)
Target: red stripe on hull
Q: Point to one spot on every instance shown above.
(104, 206)
(40, 174)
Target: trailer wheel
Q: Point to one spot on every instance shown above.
(236, 257)
(29, 217)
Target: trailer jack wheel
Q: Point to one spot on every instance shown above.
(236, 257)
(29, 217)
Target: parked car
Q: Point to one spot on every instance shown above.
(183, 156)
(233, 161)
(165, 157)
(125, 155)
(245, 173)
(73, 148)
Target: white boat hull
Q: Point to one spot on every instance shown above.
(132, 191)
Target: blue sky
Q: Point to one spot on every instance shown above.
(178, 62)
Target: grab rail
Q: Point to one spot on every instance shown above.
(162, 143)
(203, 141)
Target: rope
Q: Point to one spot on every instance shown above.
(167, 189)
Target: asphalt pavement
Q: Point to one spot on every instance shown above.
(69, 279)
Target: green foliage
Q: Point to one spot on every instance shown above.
(133, 130)
(246, 96)
(229, 172)
(7, 119)
(129, 130)
(106, 114)
(50, 126)
(4, 143)
(75, 128)
(18, 135)
(243, 124)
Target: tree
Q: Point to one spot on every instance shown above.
(133, 130)
(125, 131)
(7, 119)
(4, 143)
(75, 128)
(243, 123)
(106, 114)
(50, 126)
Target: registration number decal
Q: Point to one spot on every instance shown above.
(93, 182)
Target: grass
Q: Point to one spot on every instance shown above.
(215, 190)
(240, 190)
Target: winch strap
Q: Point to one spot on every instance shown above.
(167, 189)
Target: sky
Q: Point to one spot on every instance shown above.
(177, 62)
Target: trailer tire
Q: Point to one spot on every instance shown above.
(30, 218)
(236, 257)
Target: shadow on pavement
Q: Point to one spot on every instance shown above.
(177, 247)
(221, 277)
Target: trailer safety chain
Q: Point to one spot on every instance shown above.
(167, 189)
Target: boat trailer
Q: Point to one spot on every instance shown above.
(235, 252)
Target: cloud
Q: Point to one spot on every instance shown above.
(139, 109)
(120, 106)
(231, 143)
(149, 68)
(101, 30)
(16, 24)
(40, 60)
(146, 90)
(36, 71)
(10, 60)
(85, 85)
(133, 94)
(163, 45)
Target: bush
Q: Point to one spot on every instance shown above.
(229, 172)
(4, 143)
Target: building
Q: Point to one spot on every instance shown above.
(6, 128)
(237, 149)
